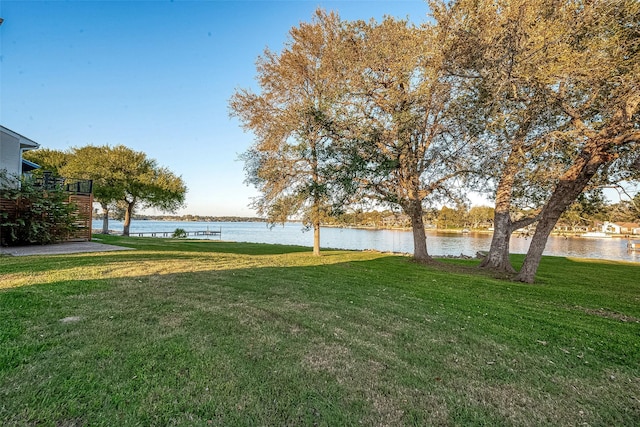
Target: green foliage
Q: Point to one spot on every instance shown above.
(48, 160)
(179, 233)
(121, 174)
(35, 215)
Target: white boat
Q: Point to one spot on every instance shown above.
(596, 235)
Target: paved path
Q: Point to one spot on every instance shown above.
(60, 248)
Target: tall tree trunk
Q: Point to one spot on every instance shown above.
(105, 218)
(571, 185)
(498, 257)
(316, 238)
(415, 212)
(316, 198)
(315, 220)
(128, 213)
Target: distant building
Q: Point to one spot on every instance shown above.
(12, 145)
(621, 228)
(629, 227)
(396, 220)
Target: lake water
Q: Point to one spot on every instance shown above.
(438, 243)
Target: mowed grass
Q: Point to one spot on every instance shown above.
(214, 333)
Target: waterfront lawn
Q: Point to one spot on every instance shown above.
(214, 333)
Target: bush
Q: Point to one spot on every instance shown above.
(180, 233)
(31, 214)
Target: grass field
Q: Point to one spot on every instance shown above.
(214, 333)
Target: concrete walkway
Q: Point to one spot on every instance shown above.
(60, 248)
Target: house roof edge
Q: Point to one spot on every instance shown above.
(23, 139)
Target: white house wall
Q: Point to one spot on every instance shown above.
(10, 157)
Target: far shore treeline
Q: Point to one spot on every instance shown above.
(192, 218)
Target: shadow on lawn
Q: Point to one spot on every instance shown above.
(335, 280)
(190, 245)
(145, 262)
(147, 249)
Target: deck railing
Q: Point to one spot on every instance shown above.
(48, 181)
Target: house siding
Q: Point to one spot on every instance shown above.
(10, 158)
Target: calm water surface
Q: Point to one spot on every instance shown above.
(438, 243)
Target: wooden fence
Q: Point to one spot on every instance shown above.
(84, 214)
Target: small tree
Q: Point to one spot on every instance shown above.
(90, 162)
(138, 182)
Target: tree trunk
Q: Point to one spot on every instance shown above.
(105, 218)
(128, 213)
(571, 185)
(316, 197)
(536, 248)
(498, 256)
(316, 238)
(419, 237)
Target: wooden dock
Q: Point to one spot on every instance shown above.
(170, 233)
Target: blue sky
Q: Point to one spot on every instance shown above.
(155, 76)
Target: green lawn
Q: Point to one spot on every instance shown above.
(215, 333)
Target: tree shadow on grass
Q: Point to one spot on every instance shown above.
(242, 248)
(149, 249)
(192, 245)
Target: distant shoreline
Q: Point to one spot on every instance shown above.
(189, 218)
(198, 218)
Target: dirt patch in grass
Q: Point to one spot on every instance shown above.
(334, 358)
(608, 314)
(71, 319)
(513, 403)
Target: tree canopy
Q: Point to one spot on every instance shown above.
(123, 179)
(290, 161)
(406, 143)
(557, 87)
(351, 112)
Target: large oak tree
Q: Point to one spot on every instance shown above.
(403, 143)
(501, 52)
(598, 88)
(557, 85)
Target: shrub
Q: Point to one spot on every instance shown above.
(180, 233)
(33, 214)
